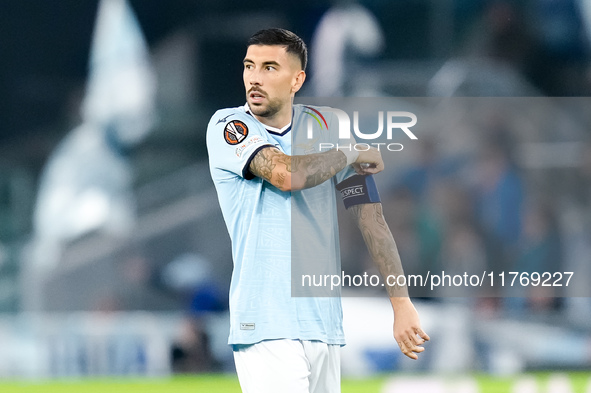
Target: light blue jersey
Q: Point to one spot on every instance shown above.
(265, 224)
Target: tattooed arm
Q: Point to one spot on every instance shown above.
(291, 173)
(382, 248)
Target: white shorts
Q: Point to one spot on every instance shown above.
(289, 366)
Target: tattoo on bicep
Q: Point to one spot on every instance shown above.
(280, 179)
(287, 161)
(262, 164)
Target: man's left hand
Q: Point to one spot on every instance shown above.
(407, 328)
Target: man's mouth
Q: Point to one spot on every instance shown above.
(256, 97)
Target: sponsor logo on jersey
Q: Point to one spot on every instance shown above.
(251, 141)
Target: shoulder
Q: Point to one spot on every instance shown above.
(234, 128)
(234, 124)
(223, 116)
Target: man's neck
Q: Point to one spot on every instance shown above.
(278, 121)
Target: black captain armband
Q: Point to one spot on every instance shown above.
(358, 190)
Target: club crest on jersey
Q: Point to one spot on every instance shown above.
(235, 132)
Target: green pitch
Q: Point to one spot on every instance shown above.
(229, 384)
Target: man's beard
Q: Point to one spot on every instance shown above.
(271, 109)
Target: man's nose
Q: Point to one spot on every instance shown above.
(255, 78)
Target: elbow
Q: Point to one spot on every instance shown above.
(284, 188)
(288, 182)
(284, 181)
(296, 183)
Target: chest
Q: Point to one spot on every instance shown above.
(282, 142)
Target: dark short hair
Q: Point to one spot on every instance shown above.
(275, 36)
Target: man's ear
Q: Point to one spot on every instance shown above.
(298, 81)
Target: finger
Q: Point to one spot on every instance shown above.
(422, 334)
(412, 338)
(416, 340)
(412, 347)
(413, 356)
(404, 349)
(373, 170)
(407, 352)
(359, 168)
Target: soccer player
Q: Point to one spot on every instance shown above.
(284, 343)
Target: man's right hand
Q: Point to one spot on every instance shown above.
(369, 162)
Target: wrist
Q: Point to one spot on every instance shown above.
(400, 302)
(351, 154)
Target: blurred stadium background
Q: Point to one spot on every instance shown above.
(114, 259)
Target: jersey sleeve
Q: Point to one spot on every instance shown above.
(233, 139)
(344, 174)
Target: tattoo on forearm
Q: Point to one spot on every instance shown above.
(307, 170)
(380, 243)
(316, 168)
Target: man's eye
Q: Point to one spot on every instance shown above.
(270, 68)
